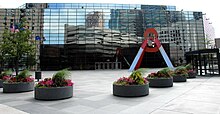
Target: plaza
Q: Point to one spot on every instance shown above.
(98, 43)
(93, 95)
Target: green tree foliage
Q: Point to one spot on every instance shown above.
(17, 45)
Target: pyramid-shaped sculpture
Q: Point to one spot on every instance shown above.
(150, 44)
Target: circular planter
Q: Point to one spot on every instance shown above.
(179, 78)
(161, 82)
(53, 93)
(131, 90)
(1, 83)
(192, 75)
(18, 87)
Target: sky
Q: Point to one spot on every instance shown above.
(208, 7)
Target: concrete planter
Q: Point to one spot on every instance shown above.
(192, 75)
(179, 78)
(131, 90)
(1, 83)
(53, 93)
(161, 82)
(18, 87)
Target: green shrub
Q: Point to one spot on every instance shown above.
(6, 73)
(60, 77)
(164, 73)
(137, 77)
(189, 67)
(181, 70)
(23, 74)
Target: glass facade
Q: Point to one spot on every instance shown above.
(108, 36)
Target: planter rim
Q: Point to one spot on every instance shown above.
(132, 85)
(180, 75)
(160, 78)
(16, 82)
(131, 91)
(52, 87)
(53, 93)
(18, 87)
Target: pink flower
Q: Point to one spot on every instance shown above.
(29, 79)
(130, 80)
(42, 83)
(191, 71)
(49, 83)
(145, 80)
(6, 77)
(69, 83)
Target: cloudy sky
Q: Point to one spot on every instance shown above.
(208, 7)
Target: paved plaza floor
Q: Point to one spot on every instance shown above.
(93, 95)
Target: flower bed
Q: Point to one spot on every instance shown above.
(5, 75)
(3, 79)
(55, 88)
(20, 83)
(133, 86)
(180, 74)
(191, 72)
(162, 78)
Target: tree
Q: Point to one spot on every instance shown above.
(16, 45)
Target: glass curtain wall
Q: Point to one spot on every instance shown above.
(108, 36)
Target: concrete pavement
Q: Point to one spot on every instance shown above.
(93, 95)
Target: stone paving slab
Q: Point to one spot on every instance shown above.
(4, 109)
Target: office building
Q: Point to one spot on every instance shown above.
(107, 36)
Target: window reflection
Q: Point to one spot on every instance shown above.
(96, 31)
